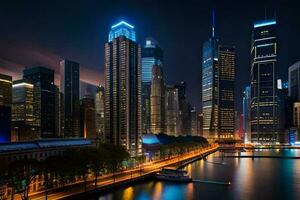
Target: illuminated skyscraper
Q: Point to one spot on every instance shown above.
(194, 122)
(294, 81)
(210, 85)
(157, 100)
(5, 107)
(172, 122)
(99, 104)
(88, 117)
(123, 88)
(226, 68)
(246, 113)
(152, 55)
(69, 85)
(43, 99)
(264, 105)
(24, 125)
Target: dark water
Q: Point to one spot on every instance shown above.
(261, 178)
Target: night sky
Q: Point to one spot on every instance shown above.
(43, 32)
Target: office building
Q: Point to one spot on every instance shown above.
(264, 105)
(24, 125)
(88, 117)
(99, 106)
(194, 122)
(157, 100)
(123, 88)
(69, 86)
(42, 79)
(296, 114)
(5, 107)
(226, 68)
(210, 85)
(294, 81)
(172, 121)
(246, 113)
(152, 55)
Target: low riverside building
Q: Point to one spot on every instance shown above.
(39, 150)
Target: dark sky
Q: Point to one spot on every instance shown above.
(43, 32)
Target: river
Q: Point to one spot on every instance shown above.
(261, 178)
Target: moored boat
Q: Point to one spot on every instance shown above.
(176, 175)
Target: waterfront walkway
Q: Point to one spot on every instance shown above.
(121, 179)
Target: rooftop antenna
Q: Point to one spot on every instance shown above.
(213, 23)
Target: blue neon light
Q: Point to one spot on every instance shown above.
(150, 139)
(120, 23)
(265, 45)
(264, 23)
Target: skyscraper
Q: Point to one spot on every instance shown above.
(294, 81)
(99, 104)
(69, 85)
(184, 118)
(157, 100)
(123, 88)
(172, 122)
(43, 99)
(246, 113)
(5, 107)
(264, 121)
(226, 68)
(24, 125)
(210, 85)
(152, 55)
(88, 117)
(194, 122)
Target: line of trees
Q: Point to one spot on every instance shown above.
(59, 170)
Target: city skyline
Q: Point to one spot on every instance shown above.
(86, 46)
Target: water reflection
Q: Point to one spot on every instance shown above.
(261, 178)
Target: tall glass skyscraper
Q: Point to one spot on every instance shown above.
(123, 88)
(152, 55)
(246, 113)
(69, 85)
(5, 107)
(264, 105)
(210, 85)
(44, 96)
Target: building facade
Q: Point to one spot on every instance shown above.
(264, 105)
(69, 85)
(246, 113)
(123, 88)
(43, 99)
(172, 121)
(226, 68)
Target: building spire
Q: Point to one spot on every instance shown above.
(213, 23)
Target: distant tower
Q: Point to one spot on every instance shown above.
(172, 122)
(210, 85)
(69, 85)
(152, 55)
(157, 100)
(99, 104)
(88, 117)
(123, 88)
(264, 104)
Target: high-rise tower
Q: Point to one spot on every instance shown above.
(123, 88)
(210, 84)
(264, 106)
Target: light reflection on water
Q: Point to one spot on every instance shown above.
(261, 178)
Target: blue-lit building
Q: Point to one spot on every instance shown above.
(210, 86)
(123, 88)
(69, 86)
(152, 55)
(264, 101)
(246, 113)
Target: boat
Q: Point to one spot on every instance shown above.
(176, 175)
